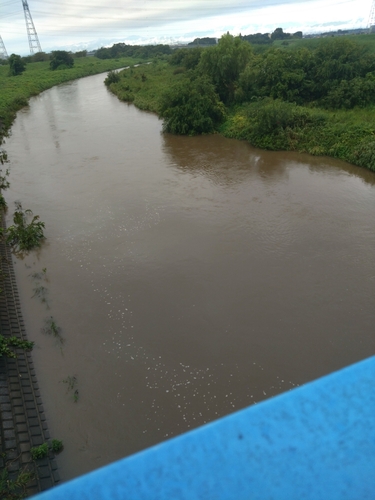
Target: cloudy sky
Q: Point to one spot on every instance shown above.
(77, 24)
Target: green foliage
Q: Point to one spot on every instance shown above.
(6, 343)
(191, 107)
(364, 154)
(14, 489)
(24, 235)
(39, 452)
(3, 203)
(3, 156)
(134, 51)
(112, 77)
(51, 328)
(39, 56)
(258, 39)
(336, 73)
(203, 41)
(224, 63)
(278, 74)
(80, 53)
(4, 183)
(61, 59)
(56, 446)
(16, 65)
(189, 58)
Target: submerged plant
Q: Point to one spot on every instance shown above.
(3, 203)
(51, 328)
(4, 183)
(56, 445)
(41, 293)
(24, 235)
(72, 383)
(41, 275)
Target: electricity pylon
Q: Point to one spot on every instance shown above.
(3, 52)
(31, 32)
(371, 18)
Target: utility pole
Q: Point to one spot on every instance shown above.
(31, 32)
(3, 52)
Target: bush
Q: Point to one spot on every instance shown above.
(112, 77)
(39, 451)
(23, 235)
(191, 107)
(60, 59)
(16, 65)
(56, 445)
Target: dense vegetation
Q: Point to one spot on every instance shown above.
(136, 51)
(313, 96)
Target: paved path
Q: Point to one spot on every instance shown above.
(22, 419)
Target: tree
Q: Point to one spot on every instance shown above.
(191, 107)
(16, 65)
(224, 64)
(279, 34)
(60, 59)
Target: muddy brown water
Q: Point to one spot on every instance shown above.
(190, 277)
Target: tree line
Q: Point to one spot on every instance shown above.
(337, 74)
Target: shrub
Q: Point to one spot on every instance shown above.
(112, 77)
(23, 235)
(191, 107)
(60, 59)
(39, 451)
(16, 65)
(56, 445)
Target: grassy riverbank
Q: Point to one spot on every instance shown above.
(15, 91)
(318, 99)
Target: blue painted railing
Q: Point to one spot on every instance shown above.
(315, 442)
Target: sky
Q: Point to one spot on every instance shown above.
(90, 24)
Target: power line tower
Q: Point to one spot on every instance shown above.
(371, 18)
(31, 31)
(3, 52)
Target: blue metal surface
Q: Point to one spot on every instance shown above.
(315, 442)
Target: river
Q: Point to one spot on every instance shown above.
(190, 276)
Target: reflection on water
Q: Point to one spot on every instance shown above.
(190, 276)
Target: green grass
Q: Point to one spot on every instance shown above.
(144, 85)
(15, 91)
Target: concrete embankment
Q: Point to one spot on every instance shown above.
(23, 423)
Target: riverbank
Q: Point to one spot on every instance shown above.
(267, 122)
(16, 91)
(23, 423)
